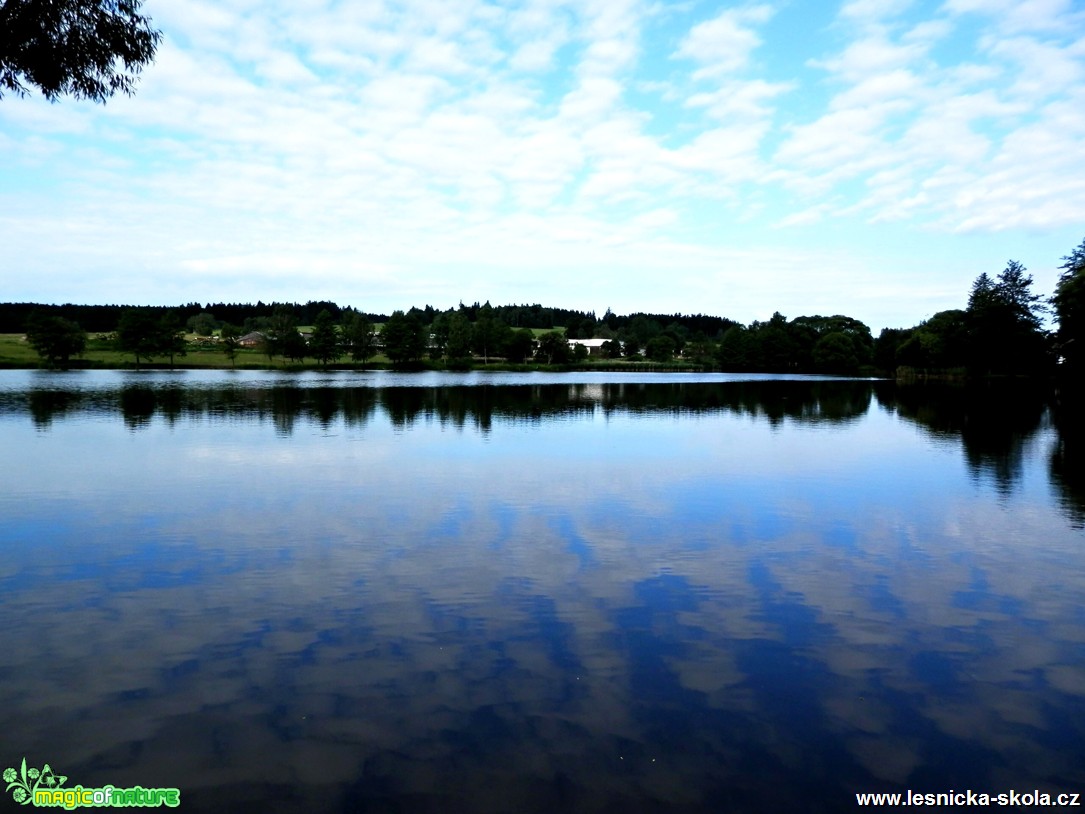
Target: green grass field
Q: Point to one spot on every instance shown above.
(16, 353)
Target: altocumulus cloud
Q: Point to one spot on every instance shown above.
(869, 159)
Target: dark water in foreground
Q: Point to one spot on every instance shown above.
(520, 593)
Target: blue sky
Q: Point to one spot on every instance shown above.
(869, 158)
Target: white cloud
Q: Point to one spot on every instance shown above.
(845, 139)
(536, 55)
(395, 100)
(723, 44)
(592, 99)
(439, 56)
(869, 55)
(388, 143)
(950, 145)
(864, 10)
(207, 23)
(285, 68)
(747, 99)
(807, 216)
(1044, 68)
(538, 30)
(898, 89)
(928, 32)
(1033, 181)
(1022, 15)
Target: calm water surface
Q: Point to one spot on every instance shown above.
(529, 593)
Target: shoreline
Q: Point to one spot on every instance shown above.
(628, 367)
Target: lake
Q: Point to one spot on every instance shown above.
(383, 592)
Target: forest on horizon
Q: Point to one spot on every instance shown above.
(1000, 332)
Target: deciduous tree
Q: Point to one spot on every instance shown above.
(458, 345)
(281, 335)
(775, 344)
(138, 334)
(324, 343)
(660, 348)
(520, 345)
(292, 345)
(171, 338)
(489, 334)
(55, 339)
(737, 351)
(404, 338)
(835, 353)
(202, 324)
(438, 336)
(940, 342)
(358, 336)
(87, 48)
(699, 349)
(611, 349)
(229, 336)
(553, 348)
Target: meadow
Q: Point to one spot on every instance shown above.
(102, 354)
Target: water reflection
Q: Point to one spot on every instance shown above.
(995, 421)
(773, 401)
(1068, 455)
(610, 596)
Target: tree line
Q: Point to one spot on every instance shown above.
(999, 332)
(1001, 329)
(250, 316)
(105, 318)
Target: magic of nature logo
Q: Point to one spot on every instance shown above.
(45, 788)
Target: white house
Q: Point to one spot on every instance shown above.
(594, 346)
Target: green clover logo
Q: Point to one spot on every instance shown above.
(22, 783)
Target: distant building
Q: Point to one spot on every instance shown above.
(594, 346)
(253, 340)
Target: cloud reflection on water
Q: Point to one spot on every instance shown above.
(642, 605)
